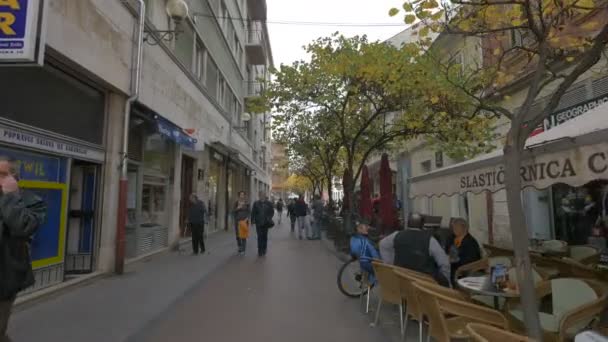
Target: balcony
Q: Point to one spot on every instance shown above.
(254, 89)
(254, 48)
(257, 9)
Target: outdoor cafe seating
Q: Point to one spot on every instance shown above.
(568, 305)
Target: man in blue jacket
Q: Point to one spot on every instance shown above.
(362, 248)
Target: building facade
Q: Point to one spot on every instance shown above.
(554, 211)
(188, 131)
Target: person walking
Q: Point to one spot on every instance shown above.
(261, 215)
(196, 221)
(21, 215)
(279, 207)
(242, 212)
(291, 213)
(317, 207)
(301, 209)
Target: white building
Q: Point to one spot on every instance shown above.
(64, 123)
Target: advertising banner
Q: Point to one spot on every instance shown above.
(22, 32)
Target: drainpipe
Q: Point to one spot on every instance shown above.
(123, 186)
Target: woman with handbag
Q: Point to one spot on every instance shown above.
(242, 212)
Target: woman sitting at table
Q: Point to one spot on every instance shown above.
(462, 248)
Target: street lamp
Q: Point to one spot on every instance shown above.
(246, 117)
(177, 10)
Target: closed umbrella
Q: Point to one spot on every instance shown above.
(365, 206)
(388, 215)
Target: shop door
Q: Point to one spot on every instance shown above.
(82, 221)
(187, 189)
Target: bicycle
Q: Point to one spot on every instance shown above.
(352, 280)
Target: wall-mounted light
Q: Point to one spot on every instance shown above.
(246, 117)
(177, 10)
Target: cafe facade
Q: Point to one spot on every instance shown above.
(564, 184)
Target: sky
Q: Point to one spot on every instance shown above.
(287, 39)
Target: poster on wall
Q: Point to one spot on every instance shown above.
(22, 32)
(46, 176)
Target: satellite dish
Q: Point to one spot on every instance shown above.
(246, 117)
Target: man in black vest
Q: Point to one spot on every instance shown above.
(417, 249)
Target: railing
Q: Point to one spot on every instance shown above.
(254, 37)
(254, 88)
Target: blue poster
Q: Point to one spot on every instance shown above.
(37, 167)
(45, 176)
(13, 17)
(46, 241)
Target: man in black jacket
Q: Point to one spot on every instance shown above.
(417, 249)
(261, 215)
(196, 221)
(301, 213)
(21, 214)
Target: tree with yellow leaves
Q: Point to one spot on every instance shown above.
(362, 97)
(547, 43)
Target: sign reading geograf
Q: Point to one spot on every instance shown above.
(21, 31)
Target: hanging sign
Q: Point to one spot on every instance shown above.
(22, 36)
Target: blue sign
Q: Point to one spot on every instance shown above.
(13, 16)
(171, 131)
(46, 242)
(37, 167)
(21, 31)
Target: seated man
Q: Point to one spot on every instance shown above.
(418, 250)
(363, 249)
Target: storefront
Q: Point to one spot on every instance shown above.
(564, 175)
(216, 191)
(153, 145)
(58, 145)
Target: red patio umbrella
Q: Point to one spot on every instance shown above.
(365, 206)
(388, 215)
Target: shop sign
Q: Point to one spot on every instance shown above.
(22, 36)
(564, 115)
(574, 167)
(39, 142)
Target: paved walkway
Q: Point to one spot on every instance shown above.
(289, 295)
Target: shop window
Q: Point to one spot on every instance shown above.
(577, 211)
(37, 97)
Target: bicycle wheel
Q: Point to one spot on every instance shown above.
(350, 280)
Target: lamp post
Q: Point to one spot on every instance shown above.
(178, 11)
(245, 118)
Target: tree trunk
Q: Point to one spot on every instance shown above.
(330, 190)
(519, 233)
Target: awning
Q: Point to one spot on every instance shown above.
(171, 131)
(573, 153)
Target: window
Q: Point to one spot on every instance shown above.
(200, 62)
(426, 166)
(521, 38)
(184, 46)
(212, 78)
(224, 16)
(221, 91)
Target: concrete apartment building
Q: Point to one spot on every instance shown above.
(189, 130)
